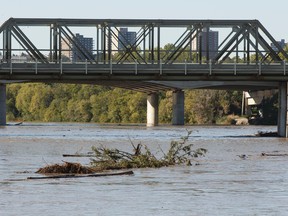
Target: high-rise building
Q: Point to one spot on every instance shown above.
(213, 42)
(114, 42)
(66, 50)
(125, 38)
(80, 43)
(281, 43)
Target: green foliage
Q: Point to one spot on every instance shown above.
(90, 103)
(165, 107)
(180, 152)
(286, 50)
(207, 106)
(269, 110)
(74, 103)
(107, 159)
(32, 100)
(12, 111)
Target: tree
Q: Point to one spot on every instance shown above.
(32, 100)
(12, 112)
(207, 106)
(90, 103)
(165, 107)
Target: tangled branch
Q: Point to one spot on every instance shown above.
(180, 152)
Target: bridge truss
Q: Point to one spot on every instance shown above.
(161, 51)
(243, 40)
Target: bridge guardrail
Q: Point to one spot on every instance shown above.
(112, 68)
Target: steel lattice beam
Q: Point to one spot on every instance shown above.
(245, 37)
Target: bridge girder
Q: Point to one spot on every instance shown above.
(246, 51)
(248, 38)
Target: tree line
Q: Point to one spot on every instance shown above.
(100, 104)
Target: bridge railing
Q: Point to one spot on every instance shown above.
(134, 68)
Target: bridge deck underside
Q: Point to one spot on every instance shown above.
(157, 86)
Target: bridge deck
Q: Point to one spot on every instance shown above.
(233, 72)
(150, 78)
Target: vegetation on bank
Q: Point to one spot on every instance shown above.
(91, 103)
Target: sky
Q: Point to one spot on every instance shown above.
(272, 16)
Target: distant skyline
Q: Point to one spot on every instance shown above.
(272, 15)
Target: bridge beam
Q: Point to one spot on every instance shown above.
(178, 108)
(282, 110)
(2, 104)
(152, 109)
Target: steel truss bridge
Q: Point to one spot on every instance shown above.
(247, 55)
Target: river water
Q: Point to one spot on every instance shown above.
(223, 183)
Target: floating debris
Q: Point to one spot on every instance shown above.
(82, 176)
(243, 156)
(180, 152)
(274, 154)
(267, 134)
(23, 172)
(103, 159)
(66, 167)
(78, 155)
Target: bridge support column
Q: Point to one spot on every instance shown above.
(152, 110)
(178, 108)
(282, 110)
(2, 104)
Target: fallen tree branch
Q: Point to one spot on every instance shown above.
(267, 134)
(274, 154)
(180, 152)
(82, 176)
(78, 155)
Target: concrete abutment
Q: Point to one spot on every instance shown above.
(2, 104)
(282, 110)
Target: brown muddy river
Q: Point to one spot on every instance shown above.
(223, 183)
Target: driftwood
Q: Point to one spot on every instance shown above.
(83, 176)
(274, 154)
(267, 134)
(78, 155)
(15, 124)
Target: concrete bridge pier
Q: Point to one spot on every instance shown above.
(2, 104)
(178, 108)
(282, 110)
(152, 109)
